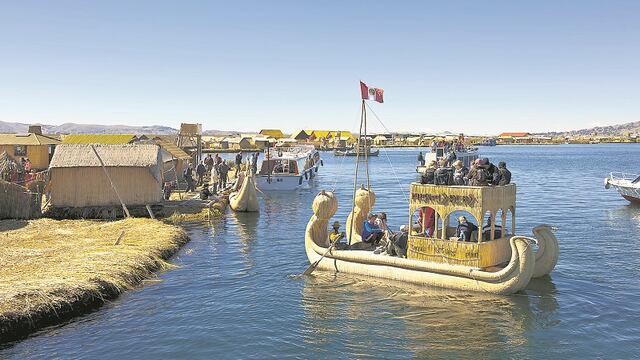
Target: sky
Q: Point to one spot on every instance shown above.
(479, 67)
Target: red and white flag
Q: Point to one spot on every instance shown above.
(369, 93)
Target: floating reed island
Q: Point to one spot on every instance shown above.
(54, 270)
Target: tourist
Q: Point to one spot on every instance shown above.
(464, 229)
(205, 193)
(27, 165)
(371, 233)
(504, 175)
(201, 170)
(254, 162)
(460, 173)
(188, 177)
(479, 175)
(208, 161)
(420, 159)
(398, 244)
(443, 174)
(429, 226)
(223, 172)
(238, 160)
(429, 174)
(450, 158)
(486, 231)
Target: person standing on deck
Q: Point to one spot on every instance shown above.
(420, 158)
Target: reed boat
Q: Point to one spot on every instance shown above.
(245, 198)
(627, 185)
(502, 265)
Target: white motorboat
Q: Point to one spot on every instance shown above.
(287, 168)
(627, 185)
(466, 155)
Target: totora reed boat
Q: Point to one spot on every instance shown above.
(491, 259)
(501, 265)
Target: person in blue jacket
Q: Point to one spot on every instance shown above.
(371, 233)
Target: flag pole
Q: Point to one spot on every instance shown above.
(355, 178)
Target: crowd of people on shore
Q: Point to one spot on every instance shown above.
(216, 169)
(481, 173)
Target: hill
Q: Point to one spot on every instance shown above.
(612, 130)
(71, 128)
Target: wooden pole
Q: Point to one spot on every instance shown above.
(355, 178)
(124, 207)
(150, 212)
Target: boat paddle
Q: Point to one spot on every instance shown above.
(314, 265)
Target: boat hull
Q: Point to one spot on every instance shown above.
(285, 182)
(627, 188)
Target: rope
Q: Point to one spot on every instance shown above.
(406, 197)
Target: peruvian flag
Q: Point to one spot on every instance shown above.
(369, 93)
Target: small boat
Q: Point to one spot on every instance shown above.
(287, 168)
(466, 155)
(245, 197)
(353, 152)
(627, 185)
(362, 149)
(503, 265)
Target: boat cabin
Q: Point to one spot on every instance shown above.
(279, 166)
(434, 212)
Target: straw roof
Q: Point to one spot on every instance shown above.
(173, 149)
(107, 139)
(81, 155)
(26, 139)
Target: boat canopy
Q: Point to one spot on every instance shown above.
(440, 245)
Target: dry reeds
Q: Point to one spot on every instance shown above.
(52, 270)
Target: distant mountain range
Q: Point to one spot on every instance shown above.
(612, 130)
(71, 128)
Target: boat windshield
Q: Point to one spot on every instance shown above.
(279, 167)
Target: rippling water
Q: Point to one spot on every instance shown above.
(237, 293)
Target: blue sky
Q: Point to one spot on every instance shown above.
(473, 66)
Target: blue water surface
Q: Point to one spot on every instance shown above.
(236, 292)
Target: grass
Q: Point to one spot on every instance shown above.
(52, 270)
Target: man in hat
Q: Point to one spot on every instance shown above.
(371, 233)
(398, 244)
(335, 235)
(459, 173)
(503, 174)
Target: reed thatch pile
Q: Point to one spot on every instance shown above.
(53, 270)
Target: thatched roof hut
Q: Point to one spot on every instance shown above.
(78, 180)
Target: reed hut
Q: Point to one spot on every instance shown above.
(79, 180)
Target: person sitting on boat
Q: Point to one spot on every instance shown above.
(479, 174)
(486, 231)
(464, 229)
(371, 233)
(429, 174)
(429, 227)
(397, 246)
(504, 175)
(335, 236)
(444, 174)
(460, 173)
(420, 159)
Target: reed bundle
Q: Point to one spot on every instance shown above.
(53, 270)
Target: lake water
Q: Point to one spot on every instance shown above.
(236, 293)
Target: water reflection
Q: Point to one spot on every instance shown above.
(245, 225)
(337, 306)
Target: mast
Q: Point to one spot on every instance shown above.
(363, 118)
